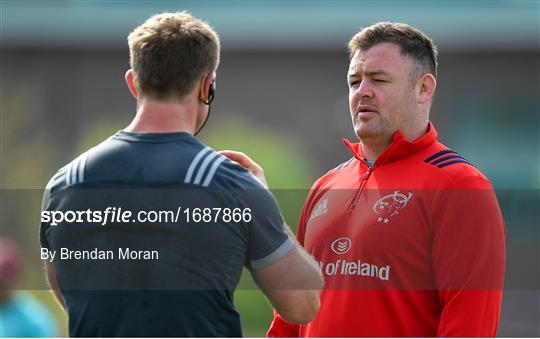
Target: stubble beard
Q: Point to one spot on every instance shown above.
(374, 133)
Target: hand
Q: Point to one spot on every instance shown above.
(246, 162)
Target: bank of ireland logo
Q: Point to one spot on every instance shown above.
(390, 205)
(341, 245)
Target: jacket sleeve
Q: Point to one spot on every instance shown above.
(279, 327)
(468, 257)
(282, 329)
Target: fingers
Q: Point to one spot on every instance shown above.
(233, 155)
(246, 162)
(240, 158)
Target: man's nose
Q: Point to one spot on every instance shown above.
(364, 90)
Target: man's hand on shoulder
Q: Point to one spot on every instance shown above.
(243, 160)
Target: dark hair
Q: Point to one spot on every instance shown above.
(411, 41)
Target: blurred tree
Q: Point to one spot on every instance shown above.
(28, 159)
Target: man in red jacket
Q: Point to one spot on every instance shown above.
(407, 233)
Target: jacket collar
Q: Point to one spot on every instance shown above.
(399, 147)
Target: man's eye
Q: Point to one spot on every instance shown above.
(379, 80)
(354, 83)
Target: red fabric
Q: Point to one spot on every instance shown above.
(406, 248)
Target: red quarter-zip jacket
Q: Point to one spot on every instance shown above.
(413, 246)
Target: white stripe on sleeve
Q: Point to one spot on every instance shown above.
(82, 165)
(194, 163)
(212, 171)
(203, 167)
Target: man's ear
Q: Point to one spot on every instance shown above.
(426, 88)
(204, 87)
(130, 81)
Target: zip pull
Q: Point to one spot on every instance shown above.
(365, 177)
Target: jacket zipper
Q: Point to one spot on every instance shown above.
(365, 178)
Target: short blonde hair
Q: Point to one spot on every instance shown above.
(170, 52)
